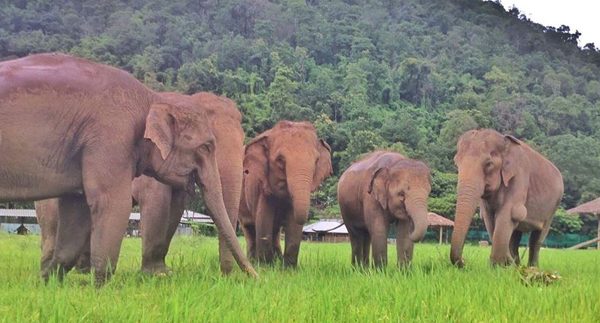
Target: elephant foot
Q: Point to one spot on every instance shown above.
(459, 263)
(502, 261)
(290, 264)
(158, 269)
(83, 264)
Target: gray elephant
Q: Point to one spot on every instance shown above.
(282, 166)
(161, 205)
(70, 126)
(517, 190)
(376, 191)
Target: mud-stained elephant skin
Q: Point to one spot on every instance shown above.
(70, 126)
(282, 166)
(161, 206)
(381, 189)
(516, 188)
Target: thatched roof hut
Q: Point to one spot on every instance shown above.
(592, 207)
(439, 222)
(587, 207)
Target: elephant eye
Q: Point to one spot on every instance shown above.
(208, 147)
(489, 165)
(280, 162)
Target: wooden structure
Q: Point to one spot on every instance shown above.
(326, 231)
(592, 207)
(334, 230)
(440, 223)
(24, 221)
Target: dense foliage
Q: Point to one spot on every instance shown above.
(406, 75)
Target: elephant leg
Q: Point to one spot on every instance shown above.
(503, 232)
(248, 228)
(378, 229)
(293, 237)
(366, 248)
(155, 202)
(108, 193)
(250, 236)
(277, 226)
(264, 231)
(357, 237)
(73, 231)
(515, 240)
(277, 251)
(535, 244)
(404, 246)
(47, 217)
(84, 263)
(487, 219)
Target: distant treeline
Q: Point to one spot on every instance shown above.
(405, 75)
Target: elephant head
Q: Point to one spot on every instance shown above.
(486, 162)
(403, 189)
(287, 161)
(180, 151)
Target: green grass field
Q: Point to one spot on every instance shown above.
(324, 289)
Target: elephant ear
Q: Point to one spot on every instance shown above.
(378, 186)
(511, 158)
(256, 167)
(160, 124)
(324, 168)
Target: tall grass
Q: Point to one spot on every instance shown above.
(325, 288)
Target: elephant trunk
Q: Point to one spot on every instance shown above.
(231, 183)
(417, 211)
(208, 179)
(230, 162)
(469, 193)
(299, 182)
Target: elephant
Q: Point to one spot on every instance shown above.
(517, 190)
(380, 189)
(81, 131)
(161, 205)
(282, 166)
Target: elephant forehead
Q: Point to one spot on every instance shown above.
(296, 141)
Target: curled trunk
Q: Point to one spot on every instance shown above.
(417, 211)
(469, 193)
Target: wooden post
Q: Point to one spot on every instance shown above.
(442, 233)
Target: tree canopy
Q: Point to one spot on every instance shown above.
(405, 75)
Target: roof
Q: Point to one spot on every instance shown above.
(324, 226)
(436, 220)
(337, 226)
(588, 207)
(191, 216)
(18, 213)
(188, 216)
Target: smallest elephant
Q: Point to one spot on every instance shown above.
(380, 189)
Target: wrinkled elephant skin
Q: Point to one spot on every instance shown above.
(69, 125)
(380, 189)
(282, 166)
(516, 188)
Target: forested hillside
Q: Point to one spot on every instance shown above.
(406, 75)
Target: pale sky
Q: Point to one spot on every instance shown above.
(582, 15)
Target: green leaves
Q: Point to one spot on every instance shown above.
(409, 76)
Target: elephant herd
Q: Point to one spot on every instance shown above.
(84, 139)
